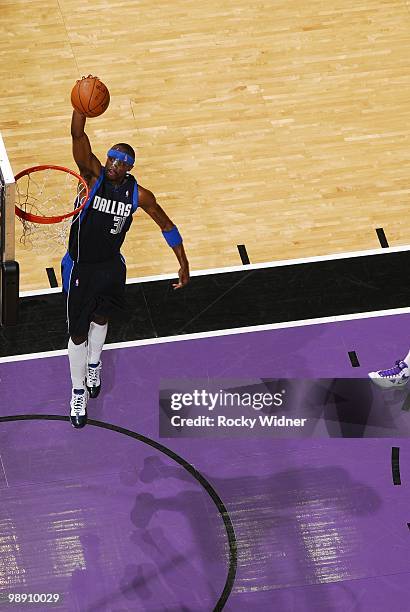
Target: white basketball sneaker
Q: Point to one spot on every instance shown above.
(93, 381)
(78, 408)
(392, 377)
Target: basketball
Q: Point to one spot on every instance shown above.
(90, 96)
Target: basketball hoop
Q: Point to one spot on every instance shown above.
(43, 194)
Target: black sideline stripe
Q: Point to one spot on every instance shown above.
(353, 359)
(232, 543)
(382, 237)
(227, 300)
(243, 254)
(395, 465)
(52, 279)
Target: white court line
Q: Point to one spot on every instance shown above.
(4, 471)
(221, 332)
(241, 267)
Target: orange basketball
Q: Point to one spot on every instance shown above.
(90, 96)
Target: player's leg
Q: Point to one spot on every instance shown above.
(79, 312)
(77, 355)
(110, 280)
(96, 339)
(396, 376)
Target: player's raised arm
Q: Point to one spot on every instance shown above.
(147, 202)
(85, 159)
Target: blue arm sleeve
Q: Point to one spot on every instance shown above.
(173, 237)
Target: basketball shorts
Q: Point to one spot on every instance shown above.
(92, 289)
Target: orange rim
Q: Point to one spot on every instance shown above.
(54, 219)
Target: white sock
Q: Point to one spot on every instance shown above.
(96, 339)
(407, 359)
(77, 355)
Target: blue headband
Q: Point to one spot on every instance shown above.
(124, 157)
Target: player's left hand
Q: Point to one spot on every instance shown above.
(183, 275)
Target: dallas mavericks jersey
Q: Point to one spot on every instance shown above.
(98, 232)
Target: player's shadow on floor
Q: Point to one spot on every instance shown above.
(89, 580)
(294, 527)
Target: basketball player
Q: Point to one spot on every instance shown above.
(93, 269)
(394, 377)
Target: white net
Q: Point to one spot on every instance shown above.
(47, 193)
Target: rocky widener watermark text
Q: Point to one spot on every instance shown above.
(242, 421)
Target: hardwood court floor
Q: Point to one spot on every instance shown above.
(283, 126)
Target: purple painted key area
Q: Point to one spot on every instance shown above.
(112, 524)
